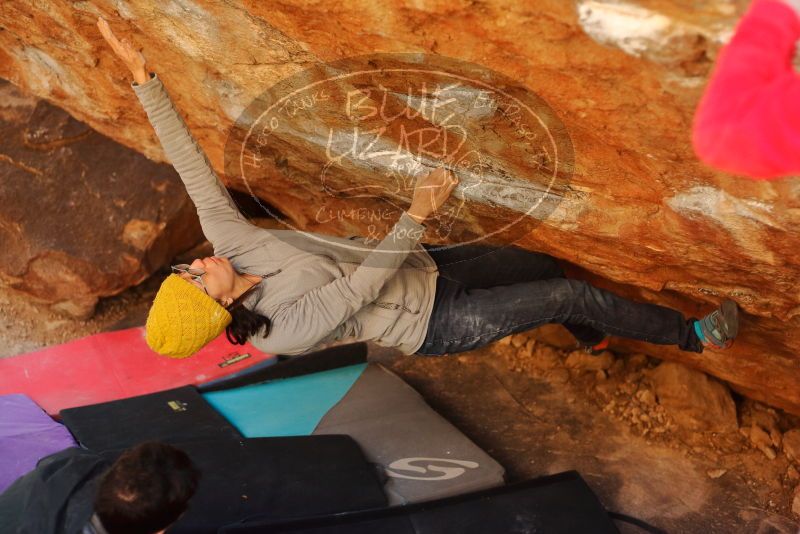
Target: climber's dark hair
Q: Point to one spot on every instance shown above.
(245, 323)
(146, 489)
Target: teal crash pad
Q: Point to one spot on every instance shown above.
(285, 407)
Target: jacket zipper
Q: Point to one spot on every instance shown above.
(273, 273)
(393, 306)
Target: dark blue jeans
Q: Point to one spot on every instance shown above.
(485, 293)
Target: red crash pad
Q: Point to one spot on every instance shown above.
(116, 365)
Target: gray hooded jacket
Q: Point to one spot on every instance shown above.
(322, 288)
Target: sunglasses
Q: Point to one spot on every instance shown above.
(197, 274)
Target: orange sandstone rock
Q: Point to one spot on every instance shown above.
(639, 213)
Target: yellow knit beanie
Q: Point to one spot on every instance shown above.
(183, 319)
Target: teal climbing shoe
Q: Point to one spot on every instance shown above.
(719, 328)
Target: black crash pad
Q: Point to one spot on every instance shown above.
(557, 504)
(277, 479)
(174, 415)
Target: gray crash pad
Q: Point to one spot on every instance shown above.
(423, 456)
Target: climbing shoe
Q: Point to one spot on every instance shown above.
(596, 348)
(719, 328)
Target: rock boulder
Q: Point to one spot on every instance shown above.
(635, 211)
(693, 399)
(82, 217)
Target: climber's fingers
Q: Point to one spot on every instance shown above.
(123, 49)
(433, 190)
(134, 56)
(108, 35)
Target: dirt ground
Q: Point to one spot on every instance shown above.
(537, 423)
(520, 401)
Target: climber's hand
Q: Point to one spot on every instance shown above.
(431, 192)
(132, 58)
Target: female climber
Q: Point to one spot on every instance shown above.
(288, 292)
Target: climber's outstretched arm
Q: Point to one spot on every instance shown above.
(222, 222)
(748, 121)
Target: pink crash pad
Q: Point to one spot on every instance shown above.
(116, 365)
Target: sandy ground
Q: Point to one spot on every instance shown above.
(26, 326)
(536, 421)
(536, 425)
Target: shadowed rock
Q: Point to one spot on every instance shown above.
(82, 217)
